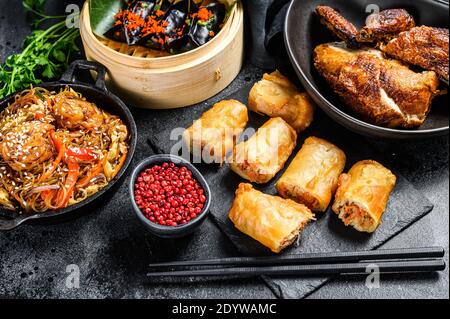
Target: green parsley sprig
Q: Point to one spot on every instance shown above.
(37, 7)
(45, 54)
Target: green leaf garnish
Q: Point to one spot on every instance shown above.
(102, 14)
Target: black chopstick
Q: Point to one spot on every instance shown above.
(314, 258)
(411, 266)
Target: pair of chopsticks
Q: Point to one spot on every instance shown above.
(407, 260)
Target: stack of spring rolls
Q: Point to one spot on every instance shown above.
(308, 185)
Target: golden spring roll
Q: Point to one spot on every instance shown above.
(312, 177)
(273, 221)
(261, 157)
(363, 194)
(217, 131)
(276, 96)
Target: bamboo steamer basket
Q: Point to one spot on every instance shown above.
(167, 82)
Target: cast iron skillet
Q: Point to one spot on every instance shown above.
(303, 32)
(99, 95)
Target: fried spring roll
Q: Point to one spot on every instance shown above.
(261, 157)
(273, 221)
(276, 96)
(217, 131)
(363, 194)
(312, 177)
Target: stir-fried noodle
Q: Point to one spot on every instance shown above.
(56, 150)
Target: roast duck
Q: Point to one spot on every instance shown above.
(370, 69)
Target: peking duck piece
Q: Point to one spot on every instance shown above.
(394, 31)
(338, 25)
(425, 47)
(386, 25)
(381, 91)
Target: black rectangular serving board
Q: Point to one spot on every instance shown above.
(328, 233)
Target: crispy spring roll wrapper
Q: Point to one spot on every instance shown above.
(363, 194)
(261, 157)
(312, 177)
(276, 96)
(217, 131)
(273, 221)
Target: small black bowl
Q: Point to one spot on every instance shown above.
(166, 231)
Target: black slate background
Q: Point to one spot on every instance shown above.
(328, 233)
(112, 249)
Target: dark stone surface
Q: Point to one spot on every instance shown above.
(112, 248)
(328, 233)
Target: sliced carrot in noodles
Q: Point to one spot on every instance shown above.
(48, 196)
(120, 164)
(94, 172)
(66, 193)
(61, 150)
(83, 154)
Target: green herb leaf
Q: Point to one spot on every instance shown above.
(41, 61)
(35, 5)
(59, 55)
(48, 72)
(45, 55)
(102, 14)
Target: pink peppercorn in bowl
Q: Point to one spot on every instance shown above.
(169, 196)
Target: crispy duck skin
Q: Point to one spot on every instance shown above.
(386, 25)
(425, 47)
(338, 25)
(381, 91)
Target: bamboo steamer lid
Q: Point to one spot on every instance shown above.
(165, 82)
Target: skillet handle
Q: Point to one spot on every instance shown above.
(10, 224)
(69, 75)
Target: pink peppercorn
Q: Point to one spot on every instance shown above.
(169, 195)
